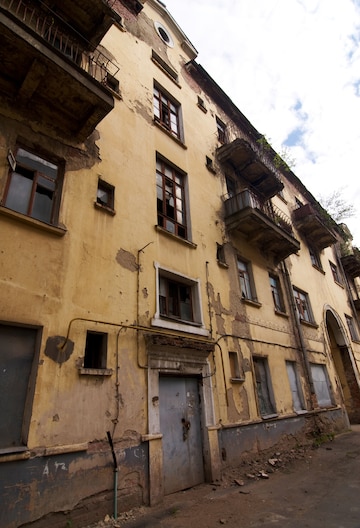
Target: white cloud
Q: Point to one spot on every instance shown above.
(289, 65)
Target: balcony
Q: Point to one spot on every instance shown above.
(262, 224)
(308, 221)
(351, 263)
(252, 166)
(52, 74)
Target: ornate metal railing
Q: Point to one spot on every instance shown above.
(54, 32)
(247, 198)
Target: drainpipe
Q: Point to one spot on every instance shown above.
(299, 333)
(115, 473)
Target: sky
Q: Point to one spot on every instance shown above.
(293, 69)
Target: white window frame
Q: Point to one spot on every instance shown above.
(193, 327)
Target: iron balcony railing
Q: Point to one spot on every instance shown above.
(53, 31)
(247, 198)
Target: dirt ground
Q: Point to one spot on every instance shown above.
(304, 488)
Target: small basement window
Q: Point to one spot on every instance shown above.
(95, 350)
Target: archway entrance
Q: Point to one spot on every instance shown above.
(344, 366)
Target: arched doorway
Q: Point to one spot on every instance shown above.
(344, 364)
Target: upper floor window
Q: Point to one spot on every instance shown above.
(335, 272)
(303, 306)
(95, 350)
(315, 258)
(352, 328)
(277, 293)
(178, 303)
(246, 280)
(171, 207)
(221, 130)
(34, 187)
(105, 195)
(167, 112)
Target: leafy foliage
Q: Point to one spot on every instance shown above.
(337, 206)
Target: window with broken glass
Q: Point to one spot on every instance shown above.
(171, 213)
(245, 279)
(166, 112)
(221, 130)
(303, 306)
(34, 186)
(175, 299)
(277, 293)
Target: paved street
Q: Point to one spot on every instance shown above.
(320, 490)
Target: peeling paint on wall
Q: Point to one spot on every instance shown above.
(127, 260)
(59, 349)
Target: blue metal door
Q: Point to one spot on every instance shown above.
(180, 425)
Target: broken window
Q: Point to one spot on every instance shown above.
(221, 130)
(297, 398)
(34, 187)
(277, 293)
(95, 350)
(175, 299)
(321, 385)
(315, 257)
(246, 281)
(352, 328)
(263, 386)
(18, 349)
(303, 306)
(166, 112)
(170, 188)
(335, 272)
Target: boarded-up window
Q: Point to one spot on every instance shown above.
(263, 386)
(17, 350)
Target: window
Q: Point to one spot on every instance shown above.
(164, 34)
(303, 306)
(352, 328)
(230, 187)
(220, 254)
(95, 350)
(298, 203)
(245, 278)
(277, 293)
(321, 385)
(315, 257)
(171, 211)
(34, 187)
(234, 366)
(335, 272)
(221, 130)
(166, 112)
(201, 104)
(263, 386)
(178, 304)
(18, 348)
(297, 397)
(105, 195)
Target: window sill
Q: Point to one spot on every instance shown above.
(202, 108)
(11, 454)
(210, 168)
(318, 269)
(95, 372)
(237, 380)
(269, 416)
(168, 133)
(37, 224)
(105, 208)
(180, 326)
(282, 314)
(339, 284)
(309, 323)
(251, 302)
(223, 264)
(175, 237)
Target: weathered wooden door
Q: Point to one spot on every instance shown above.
(180, 423)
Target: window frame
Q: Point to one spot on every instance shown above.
(40, 180)
(172, 177)
(95, 353)
(301, 299)
(234, 365)
(351, 325)
(276, 292)
(325, 382)
(110, 191)
(196, 324)
(335, 273)
(246, 280)
(162, 108)
(315, 258)
(263, 387)
(221, 130)
(296, 390)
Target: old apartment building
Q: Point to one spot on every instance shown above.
(168, 284)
